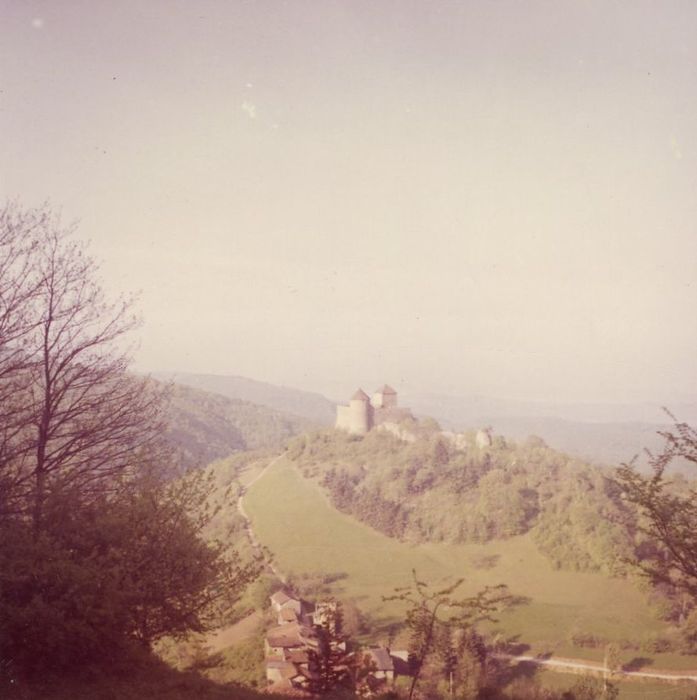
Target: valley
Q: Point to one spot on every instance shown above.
(306, 535)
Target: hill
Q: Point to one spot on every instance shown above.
(563, 612)
(599, 433)
(304, 404)
(441, 489)
(204, 426)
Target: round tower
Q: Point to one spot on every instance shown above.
(359, 412)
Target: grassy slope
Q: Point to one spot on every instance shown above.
(141, 678)
(306, 534)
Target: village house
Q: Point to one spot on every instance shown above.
(286, 637)
(288, 647)
(287, 615)
(381, 661)
(381, 666)
(280, 600)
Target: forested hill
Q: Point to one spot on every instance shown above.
(305, 404)
(204, 426)
(599, 433)
(430, 490)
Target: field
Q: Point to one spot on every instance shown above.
(628, 690)
(293, 518)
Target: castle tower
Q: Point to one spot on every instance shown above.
(359, 413)
(386, 397)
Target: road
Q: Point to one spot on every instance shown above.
(577, 665)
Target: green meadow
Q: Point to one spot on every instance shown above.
(293, 518)
(628, 690)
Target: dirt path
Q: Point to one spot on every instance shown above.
(578, 665)
(271, 566)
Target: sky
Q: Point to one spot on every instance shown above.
(490, 198)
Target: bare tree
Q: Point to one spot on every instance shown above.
(81, 417)
(96, 547)
(19, 236)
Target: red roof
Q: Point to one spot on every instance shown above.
(360, 395)
(386, 389)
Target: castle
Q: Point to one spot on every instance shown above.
(363, 413)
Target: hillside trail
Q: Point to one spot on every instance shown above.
(257, 546)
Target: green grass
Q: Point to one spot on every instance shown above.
(292, 517)
(628, 690)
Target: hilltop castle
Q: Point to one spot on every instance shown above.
(363, 413)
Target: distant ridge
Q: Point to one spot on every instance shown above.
(602, 433)
(204, 426)
(467, 408)
(304, 404)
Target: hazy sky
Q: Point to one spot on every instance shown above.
(464, 197)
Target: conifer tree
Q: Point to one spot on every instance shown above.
(330, 663)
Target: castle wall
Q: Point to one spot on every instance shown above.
(392, 415)
(343, 417)
(389, 400)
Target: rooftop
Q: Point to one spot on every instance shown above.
(290, 635)
(281, 597)
(382, 659)
(360, 395)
